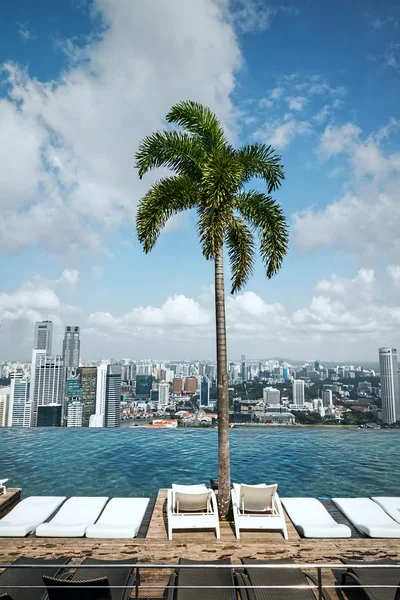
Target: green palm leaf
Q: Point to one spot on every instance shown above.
(240, 243)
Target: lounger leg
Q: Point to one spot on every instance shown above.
(217, 531)
(285, 533)
(237, 531)
(169, 532)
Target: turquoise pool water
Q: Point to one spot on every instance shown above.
(137, 462)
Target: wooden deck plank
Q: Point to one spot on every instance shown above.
(9, 500)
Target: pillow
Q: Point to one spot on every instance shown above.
(190, 489)
(63, 589)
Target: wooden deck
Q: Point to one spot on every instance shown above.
(155, 548)
(9, 500)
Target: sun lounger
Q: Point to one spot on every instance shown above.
(378, 576)
(192, 507)
(99, 575)
(74, 517)
(29, 514)
(390, 504)
(368, 517)
(3, 489)
(30, 577)
(257, 507)
(312, 520)
(222, 578)
(121, 518)
(276, 577)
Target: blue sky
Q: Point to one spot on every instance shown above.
(82, 82)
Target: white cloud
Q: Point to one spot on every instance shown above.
(25, 33)
(296, 102)
(279, 134)
(69, 277)
(366, 218)
(79, 180)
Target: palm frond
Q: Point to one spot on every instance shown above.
(259, 160)
(165, 198)
(210, 229)
(221, 178)
(267, 218)
(240, 244)
(200, 121)
(178, 151)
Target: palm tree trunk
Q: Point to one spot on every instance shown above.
(224, 475)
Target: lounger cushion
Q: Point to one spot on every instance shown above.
(74, 517)
(312, 519)
(190, 489)
(121, 518)
(390, 504)
(28, 514)
(368, 517)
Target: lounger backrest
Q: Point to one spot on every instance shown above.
(192, 502)
(257, 498)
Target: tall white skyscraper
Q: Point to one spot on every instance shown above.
(327, 398)
(43, 336)
(389, 385)
(4, 405)
(20, 408)
(47, 381)
(163, 394)
(298, 392)
(74, 413)
(71, 347)
(100, 395)
(113, 396)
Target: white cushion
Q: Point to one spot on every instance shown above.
(74, 517)
(312, 519)
(190, 489)
(121, 518)
(28, 514)
(368, 517)
(390, 504)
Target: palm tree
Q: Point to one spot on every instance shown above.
(209, 175)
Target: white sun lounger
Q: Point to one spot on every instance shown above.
(28, 514)
(312, 520)
(192, 507)
(3, 488)
(390, 504)
(74, 517)
(368, 517)
(257, 507)
(121, 518)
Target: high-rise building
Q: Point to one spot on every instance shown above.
(4, 405)
(285, 373)
(243, 370)
(100, 394)
(47, 379)
(163, 394)
(298, 392)
(271, 396)
(74, 401)
(49, 415)
(327, 398)
(71, 347)
(113, 396)
(205, 392)
(20, 408)
(316, 365)
(389, 385)
(177, 386)
(190, 385)
(143, 385)
(43, 336)
(88, 377)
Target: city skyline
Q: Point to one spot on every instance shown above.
(68, 226)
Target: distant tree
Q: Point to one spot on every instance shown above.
(210, 177)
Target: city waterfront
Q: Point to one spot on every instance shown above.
(138, 462)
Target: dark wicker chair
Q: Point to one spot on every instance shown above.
(223, 578)
(277, 576)
(98, 575)
(376, 576)
(30, 577)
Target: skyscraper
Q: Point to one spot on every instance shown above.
(89, 383)
(100, 394)
(74, 401)
(243, 370)
(143, 385)
(389, 385)
(47, 378)
(43, 336)
(271, 396)
(298, 392)
(113, 396)
(71, 347)
(327, 398)
(4, 405)
(205, 392)
(19, 410)
(163, 394)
